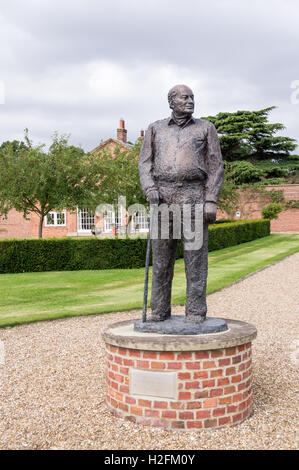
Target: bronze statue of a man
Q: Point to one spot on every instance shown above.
(181, 163)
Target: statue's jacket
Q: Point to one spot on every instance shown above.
(173, 153)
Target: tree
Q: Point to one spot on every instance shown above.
(15, 146)
(119, 176)
(249, 135)
(33, 180)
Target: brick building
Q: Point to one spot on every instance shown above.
(80, 222)
(77, 223)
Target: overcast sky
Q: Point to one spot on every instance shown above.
(77, 66)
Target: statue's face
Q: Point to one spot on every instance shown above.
(183, 102)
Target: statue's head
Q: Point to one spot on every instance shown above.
(181, 99)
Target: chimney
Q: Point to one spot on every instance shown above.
(122, 132)
(141, 135)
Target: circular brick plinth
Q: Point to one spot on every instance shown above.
(186, 382)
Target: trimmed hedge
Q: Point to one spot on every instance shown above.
(230, 234)
(67, 254)
(225, 221)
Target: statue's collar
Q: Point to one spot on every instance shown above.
(180, 121)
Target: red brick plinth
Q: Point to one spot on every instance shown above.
(209, 381)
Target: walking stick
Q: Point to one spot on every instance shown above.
(147, 260)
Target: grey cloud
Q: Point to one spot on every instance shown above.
(238, 55)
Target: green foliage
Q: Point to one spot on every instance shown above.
(265, 172)
(33, 180)
(68, 254)
(276, 195)
(292, 204)
(229, 197)
(280, 170)
(243, 172)
(272, 182)
(230, 234)
(248, 134)
(119, 176)
(16, 146)
(257, 195)
(272, 210)
(225, 221)
(275, 171)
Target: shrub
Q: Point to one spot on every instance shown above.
(66, 254)
(225, 221)
(275, 171)
(272, 210)
(230, 234)
(272, 182)
(245, 172)
(292, 204)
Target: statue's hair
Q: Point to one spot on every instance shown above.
(173, 92)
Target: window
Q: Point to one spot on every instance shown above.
(55, 219)
(85, 220)
(112, 221)
(118, 223)
(109, 221)
(140, 222)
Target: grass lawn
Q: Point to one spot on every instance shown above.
(43, 296)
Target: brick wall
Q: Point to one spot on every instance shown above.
(214, 388)
(288, 221)
(56, 231)
(15, 226)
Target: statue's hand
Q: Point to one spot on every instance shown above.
(210, 210)
(153, 196)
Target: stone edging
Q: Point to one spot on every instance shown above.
(122, 334)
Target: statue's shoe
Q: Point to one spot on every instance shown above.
(156, 318)
(195, 318)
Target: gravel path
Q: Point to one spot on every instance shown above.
(52, 388)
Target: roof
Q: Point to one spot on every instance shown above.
(111, 141)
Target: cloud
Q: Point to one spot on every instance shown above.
(78, 66)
